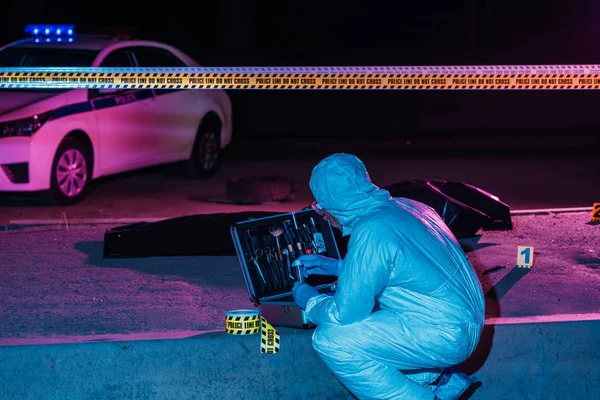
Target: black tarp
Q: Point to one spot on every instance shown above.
(466, 209)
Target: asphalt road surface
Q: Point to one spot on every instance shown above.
(523, 181)
(56, 285)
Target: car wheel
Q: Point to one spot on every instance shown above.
(206, 154)
(71, 176)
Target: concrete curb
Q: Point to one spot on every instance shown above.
(551, 210)
(513, 361)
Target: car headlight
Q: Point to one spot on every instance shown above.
(24, 127)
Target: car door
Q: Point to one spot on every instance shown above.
(177, 111)
(125, 119)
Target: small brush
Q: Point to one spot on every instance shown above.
(276, 231)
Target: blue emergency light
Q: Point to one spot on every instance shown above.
(50, 30)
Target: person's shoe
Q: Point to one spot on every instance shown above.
(452, 385)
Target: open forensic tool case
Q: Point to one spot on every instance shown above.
(266, 248)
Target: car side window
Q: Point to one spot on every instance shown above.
(155, 57)
(120, 58)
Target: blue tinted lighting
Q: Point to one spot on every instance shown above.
(59, 40)
(70, 39)
(57, 30)
(37, 40)
(48, 40)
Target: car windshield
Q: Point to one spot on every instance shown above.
(14, 57)
(46, 57)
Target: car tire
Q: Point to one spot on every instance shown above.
(259, 189)
(206, 156)
(71, 175)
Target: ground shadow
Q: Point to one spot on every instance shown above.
(470, 391)
(472, 243)
(22, 200)
(492, 310)
(590, 262)
(505, 284)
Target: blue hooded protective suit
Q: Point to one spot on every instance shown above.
(408, 302)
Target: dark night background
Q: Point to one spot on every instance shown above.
(276, 33)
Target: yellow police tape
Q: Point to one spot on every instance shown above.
(242, 322)
(269, 341)
(249, 322)
(339, 81)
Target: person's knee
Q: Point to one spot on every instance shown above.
(326, 337)
(461, 346)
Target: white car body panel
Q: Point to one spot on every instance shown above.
(128, 130)
(125, 139)
(177, 120)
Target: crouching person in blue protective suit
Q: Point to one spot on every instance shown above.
(408, 304)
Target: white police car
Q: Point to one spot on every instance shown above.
(58, 141)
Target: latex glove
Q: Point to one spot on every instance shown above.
(302, 293)
(316, 264)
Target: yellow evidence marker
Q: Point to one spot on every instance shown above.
(596, 212)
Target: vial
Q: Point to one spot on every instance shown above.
(298, 267)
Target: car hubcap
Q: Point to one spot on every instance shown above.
(71, 173)
(209, 150)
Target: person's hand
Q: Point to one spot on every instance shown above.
(316, 264)
(302, 293)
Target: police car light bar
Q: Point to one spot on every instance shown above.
(50, 30)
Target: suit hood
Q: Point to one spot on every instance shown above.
(341, 184)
